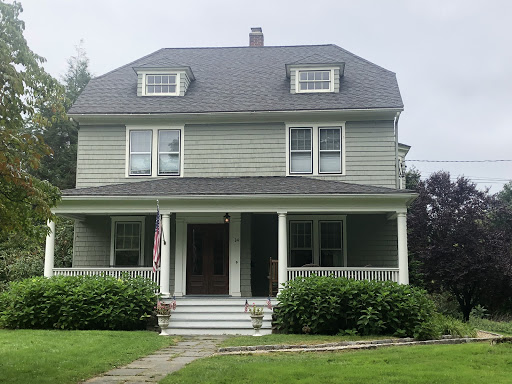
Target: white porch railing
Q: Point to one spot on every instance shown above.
(146, 272)
(380, 274)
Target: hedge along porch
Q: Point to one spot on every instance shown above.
(372, 221)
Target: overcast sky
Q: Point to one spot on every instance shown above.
(453, 58)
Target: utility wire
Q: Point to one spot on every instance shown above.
(459, 161)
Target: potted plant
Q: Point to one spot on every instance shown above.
(256, 314)
(163, 313)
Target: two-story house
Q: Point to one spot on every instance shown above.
(258, 156)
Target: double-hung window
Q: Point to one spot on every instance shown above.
(141, 144)
(315, 81)
(127, 248)
(301, 243)
(318, 240)
(168, 152)
(330, 150)
(154, 151)
(316, 149)
(161, 84)
(301, 151)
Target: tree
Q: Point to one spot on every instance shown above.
(505, 195)
(61, 135)
(412, 178)
(452, 234)
(24, 85)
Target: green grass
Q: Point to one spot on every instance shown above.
(30, 356)
(466, 363)
(293, 339)
(501, 327)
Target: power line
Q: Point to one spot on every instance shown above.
(459, 161)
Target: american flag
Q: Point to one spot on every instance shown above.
(173, 304)
(269, 303)
(246, 306)
(156, 246)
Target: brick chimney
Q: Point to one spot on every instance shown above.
(256, 37)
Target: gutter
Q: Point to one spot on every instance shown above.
(397, 172)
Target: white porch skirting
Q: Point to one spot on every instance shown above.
(115, 272)
(380, 274)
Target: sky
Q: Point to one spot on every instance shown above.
(453, 58)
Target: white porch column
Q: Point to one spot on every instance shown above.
(179, 256)
(50, 250)
(165, 264)
(282, 251)
(234, 254)
(403, 259)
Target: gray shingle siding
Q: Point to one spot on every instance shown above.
(91, 244)
(230, 150)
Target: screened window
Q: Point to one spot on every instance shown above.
(301, 150)
(140, 152)
(161, 84)
(301, 243)
(127, 243)
(331, 243)
(330, 150)
(314, 81)
(169, 152)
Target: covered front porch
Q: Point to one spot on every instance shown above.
(343, 230)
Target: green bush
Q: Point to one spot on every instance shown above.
(79, 302)
(328, 305)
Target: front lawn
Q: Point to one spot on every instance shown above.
(30, 356)
(291, 339)
(466, 363)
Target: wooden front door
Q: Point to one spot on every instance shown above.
(207, 259)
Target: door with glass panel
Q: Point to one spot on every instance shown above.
(207, 259)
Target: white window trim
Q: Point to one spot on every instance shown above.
(154, 148)
(117, 219)
(316, 147)
(316, 219)
(130, 153)
(330, 151)
(300, 151)
(178, 82)
(331, 81)
(179, 153)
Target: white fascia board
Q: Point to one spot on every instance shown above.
(222, 204)
(254, 116)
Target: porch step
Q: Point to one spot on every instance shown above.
(216, 316)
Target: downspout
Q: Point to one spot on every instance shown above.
(397, 165)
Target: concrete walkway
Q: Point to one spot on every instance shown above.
(155, 367)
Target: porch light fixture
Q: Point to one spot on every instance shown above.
(226, 218)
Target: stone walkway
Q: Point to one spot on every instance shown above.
(155, 367)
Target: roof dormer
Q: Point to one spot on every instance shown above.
(163, 81)
(315, 74)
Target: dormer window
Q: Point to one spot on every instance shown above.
(163, 81)
(157, 84)
(315, 75)
(315, 81)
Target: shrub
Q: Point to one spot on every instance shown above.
(328, 305)
(79, 302)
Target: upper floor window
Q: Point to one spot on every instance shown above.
(140, 152)
(154, 151)
(315, 149)
(315, 81)
(159, 84)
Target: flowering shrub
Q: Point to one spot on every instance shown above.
(77, 302)
(165, 309)
(328, 305)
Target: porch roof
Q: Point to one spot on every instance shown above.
(264, 185)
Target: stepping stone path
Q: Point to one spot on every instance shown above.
(154, 367)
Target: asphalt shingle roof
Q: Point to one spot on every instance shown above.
(264, 185)
(241, 79)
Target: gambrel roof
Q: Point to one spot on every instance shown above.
(241, 79)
